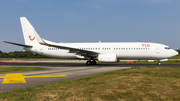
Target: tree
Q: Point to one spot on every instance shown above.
(19, 54)
(178, 51)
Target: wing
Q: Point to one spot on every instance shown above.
(71, 49)
(74, 50)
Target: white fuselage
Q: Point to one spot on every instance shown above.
(128, 50)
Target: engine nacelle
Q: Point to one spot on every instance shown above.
(107, 58)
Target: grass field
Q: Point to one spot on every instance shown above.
(13, 69)
(139, 83)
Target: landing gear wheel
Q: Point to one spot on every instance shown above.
(88, 62)
(159, 63)
(93, 62)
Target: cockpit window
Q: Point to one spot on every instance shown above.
(167, 48)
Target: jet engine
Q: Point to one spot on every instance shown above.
(107, 58)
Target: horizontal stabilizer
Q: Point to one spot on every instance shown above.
(22, 45)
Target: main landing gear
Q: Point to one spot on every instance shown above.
(89, 62)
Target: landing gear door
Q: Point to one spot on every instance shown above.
(157, 50)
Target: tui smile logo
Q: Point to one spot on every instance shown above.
(31, 38)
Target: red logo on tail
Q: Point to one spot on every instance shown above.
(30, 38)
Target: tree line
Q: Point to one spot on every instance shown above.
(26, 54)
(20, 54)
(178, 51)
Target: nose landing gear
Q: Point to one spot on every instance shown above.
(159, 63)
(89, 62)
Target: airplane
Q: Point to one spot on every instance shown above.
(92, 52)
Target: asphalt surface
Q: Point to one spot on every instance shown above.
(72, 70)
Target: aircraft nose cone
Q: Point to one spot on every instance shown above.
(174, 53)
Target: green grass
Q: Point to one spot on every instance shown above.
(13, 69)
(139, 83)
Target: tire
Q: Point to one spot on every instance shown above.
(88, 63)
(159, 63)
(93, 62)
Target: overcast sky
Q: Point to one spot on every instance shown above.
(92, 20)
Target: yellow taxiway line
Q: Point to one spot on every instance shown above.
(37, 76)
(19, 78)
